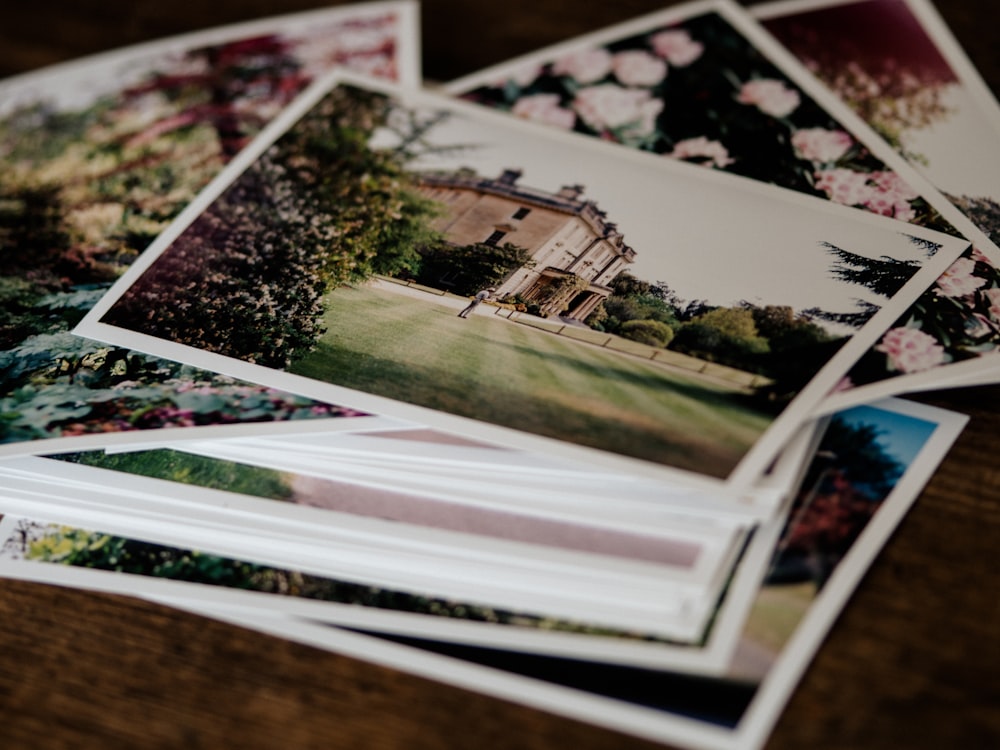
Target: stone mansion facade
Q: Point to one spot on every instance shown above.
(575, 249)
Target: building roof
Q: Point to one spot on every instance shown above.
(568, 200)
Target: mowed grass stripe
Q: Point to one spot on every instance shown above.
(487, 368)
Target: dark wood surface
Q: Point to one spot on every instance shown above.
(913, 661)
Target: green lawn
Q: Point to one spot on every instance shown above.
(490, 369)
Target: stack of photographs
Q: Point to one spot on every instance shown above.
(575, 374)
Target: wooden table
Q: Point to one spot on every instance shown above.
(914, 660)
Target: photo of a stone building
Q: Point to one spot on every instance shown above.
(575, 250)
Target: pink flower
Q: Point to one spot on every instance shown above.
(980, 257)
(911, 350)
(993, 297)
(844, 384)
(888, 204)
(545, 108)
(713, 152)
(522, 76)
(677, 47)
(892, 183)
(586, 66)
(769, 96)
(844, 186)
(959, 280)
(819, 144)
(638, 68)
(611, 106)
(979, 326)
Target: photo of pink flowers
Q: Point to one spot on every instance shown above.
(699, 90)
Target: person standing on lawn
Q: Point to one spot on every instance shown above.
(483, 294)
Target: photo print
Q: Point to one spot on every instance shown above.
(704, 83)
(350, 281)
(97, 156)
(896, 64)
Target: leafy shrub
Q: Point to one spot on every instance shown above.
(466, 269)
(726, 334)
(651, 332)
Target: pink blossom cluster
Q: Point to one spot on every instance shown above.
(993, 297)
(611, 107)
(677, 47)
(705, 151)
(880, 192)
(820, 144)
(911, 350)
(770, 96)
(544, 108)
(959, 280)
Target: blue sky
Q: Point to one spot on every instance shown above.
(900, 435)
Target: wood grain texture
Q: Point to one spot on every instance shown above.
(912, 662)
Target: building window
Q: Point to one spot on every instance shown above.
(521, 213)
(494, 238)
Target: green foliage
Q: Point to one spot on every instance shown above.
(32, 239)
(651, 332)
(317, 210)
(185, 468)
(466, 269)
(635, 299)
(862, 458)
(19, 317)
(725, 334)
(76, 547)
